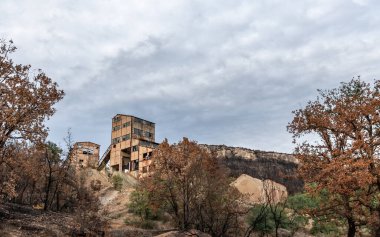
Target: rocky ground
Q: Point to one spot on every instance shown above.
(18, 220)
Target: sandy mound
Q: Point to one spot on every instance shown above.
(94, 179)
(258, 191)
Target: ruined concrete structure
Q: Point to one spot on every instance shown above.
(132, 143)
(85, 154)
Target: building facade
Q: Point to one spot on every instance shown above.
(85, 154)
(132, 143)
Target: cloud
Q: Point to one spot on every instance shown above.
(216, 71)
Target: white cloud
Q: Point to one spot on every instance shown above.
(361, 2)
(216, 71)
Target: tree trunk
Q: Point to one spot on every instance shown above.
(58, 204)
(49, 181)
(31, 193)
(377, 232)
(47, 190)
(351, 228)
(21, 196)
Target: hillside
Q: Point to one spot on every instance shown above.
(19, 220)
(279, 167)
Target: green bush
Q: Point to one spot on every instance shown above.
(140, 205)
(323, 226)
(298, 204)
(263, 220)
(302, 201)
(260, 219)
(117, 182)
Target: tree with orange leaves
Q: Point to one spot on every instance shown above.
(26, 101)
(338, 145)
(190, 184)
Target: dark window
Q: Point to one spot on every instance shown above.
(148, 134)
(126, 137)
(147, 156)
(116, 140)
(126, 124)
(135, 148)
(137, 131)
(136, 164)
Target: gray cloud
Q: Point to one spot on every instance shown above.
(216, 71)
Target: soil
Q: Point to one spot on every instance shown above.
(19, 221)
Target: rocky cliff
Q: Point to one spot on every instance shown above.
(279, 167)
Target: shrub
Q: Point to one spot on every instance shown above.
(259, 218)
(117, 181)
(96, 185)
(323, 226)
(140, 205)
(145, 224)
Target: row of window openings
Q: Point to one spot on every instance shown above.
(122, 138)
(142, 133)
(127, 124)
(148, 144)
(135, 166)
(136, 131)
(136, 120)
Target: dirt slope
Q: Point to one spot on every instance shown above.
(259, 191)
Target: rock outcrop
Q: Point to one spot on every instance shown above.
(229, 152)
(279, 167)
(260, 191)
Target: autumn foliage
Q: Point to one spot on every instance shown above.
(26, 101)
(189, 184)
(35, 172)
(338, 145)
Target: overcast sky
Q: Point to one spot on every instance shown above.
(219, 72)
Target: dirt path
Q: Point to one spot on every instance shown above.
(109, 195)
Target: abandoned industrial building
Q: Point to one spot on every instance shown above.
(85, 154)
(132, 144)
